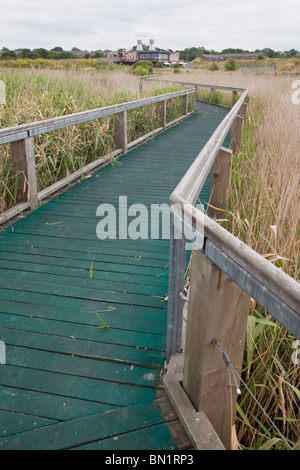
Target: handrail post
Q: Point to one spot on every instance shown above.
(220, 183)
(212, 90)
(185, 104)
(176, 286)
(120, 137)
(236, 133)
(23, 162)
(244, 108)
(162, 110)
(234, 93)
(217, 309)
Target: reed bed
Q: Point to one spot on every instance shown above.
(33, 95)
(264, 212)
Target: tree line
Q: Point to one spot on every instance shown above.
(187, 54)
(191, 53)
(41, 53)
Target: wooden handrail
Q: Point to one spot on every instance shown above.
(192, 182)
(21, 139)
(225, 273)
(32, 129)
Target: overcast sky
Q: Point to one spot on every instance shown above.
(174, 24)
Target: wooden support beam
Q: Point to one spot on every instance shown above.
(220, 183)
(236, 134)
(244, 109)
(185, 104)
(23, 160)
(120, 137)
(176, 285)
(196, 424)
(218, 308)
(162, 109)
(234, 93)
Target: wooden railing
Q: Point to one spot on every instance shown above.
(21, 140)
(225, 273)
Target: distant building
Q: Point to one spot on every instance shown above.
(222, 57)
(80, 54)
(152, 54)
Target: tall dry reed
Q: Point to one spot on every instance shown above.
(33, 95)
(264, 212)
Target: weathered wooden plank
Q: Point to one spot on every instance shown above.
(86, 293)
(218, 309)
(196, 424)
(23, 162)
(176, 286)
(274, 305)
(90, 349)
(236, 134)
(88, 429)
(220, 183)
(114, 279)
(131, 320)
(48, 406)
(12, 423)
(102, 391)
(157, 437)
(94, 332)
(82, 367)
(80, 281)
(89, 306)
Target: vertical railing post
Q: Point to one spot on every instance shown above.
(211, 95)
(23, 162)
(234, 93)
(236, 134)
(120, 137)
(220, 183)
(217, 309)
(185, 104)
(162, 110)
(177, 265)
(244, 108)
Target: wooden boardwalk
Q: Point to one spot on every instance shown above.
(69, 381)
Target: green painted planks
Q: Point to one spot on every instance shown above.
(11, 423)
(85, 293)
(82, 367)
(46, 405)
(95, 332)
(70, 434)
(89, 306)
(82, 317)
(83, 281)
(132, 355)
(99, 390)
(152, 438)
(61, 366)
